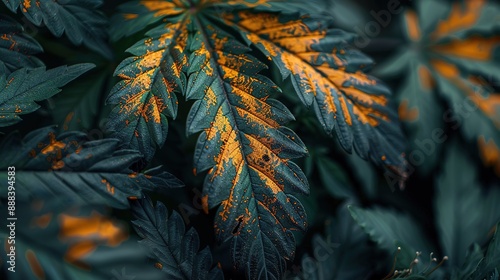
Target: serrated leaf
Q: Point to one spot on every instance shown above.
(82, 171)
(146, 95)
(80, 20)
(58, 242)
(243, 141)
(20, 90)
(489, 266)
(345, 252)
(464, 212)
(174, 250)
(17, 49)
(387, 228)
(327, 74)
(458, 46)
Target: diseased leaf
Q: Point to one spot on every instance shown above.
(146, 95)
(79, 242)
(327, 74)
(455, 53)
(174, 250)
(80, 20)
(16, 47)
(20, 90)
(243, 142)
(82, 171)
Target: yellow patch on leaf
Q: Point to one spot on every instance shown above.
(474, 48)
(412, 25)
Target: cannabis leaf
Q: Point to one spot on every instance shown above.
(465, 212)
(174, 250)
(16, 47)
(70, 166)
(388, 228)
(193, 50)
(454, 59)
(77, 242)
(344, 253)
(20, 90)
(81, 21)
(327, 74)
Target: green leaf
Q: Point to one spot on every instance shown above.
(20, 90)
(78, 107)
(489, 266)
(457, 60)
(80, 20)
(243, 140)
(174, 250)
(17, 49)
(82, 171)
(464, 212)
(58, 242)
(345, 252)
(327, 74)
(388, 228)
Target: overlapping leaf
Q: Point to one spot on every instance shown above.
(174, 250)
(67, 165)
(20, 90)
(17, 49)
(80, 20)
(55, 242)
(327, 74)
(454, 54)
(243, 142)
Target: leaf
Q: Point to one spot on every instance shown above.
(57, 242)
(20, 90)
(464, 212)
(17, 49)
(80, 20)
(345, 252)
(490, 264)
(69, 166)
(78, 107)
(146, 95)
(174, 250)
(243, 143)
(388, 228)
(327, 74)
(455, 47)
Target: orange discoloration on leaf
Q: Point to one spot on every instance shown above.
(475, 48)
(489, 105)
(109, 187)
(412, 25)
(58, 165)
(292, 44)
(490, 153)
(67, 120)
(158, 265)
(34, 264)
(43, 221)
(96, 227)
(426, 79)
(164, 8)
(130, 16)
(407, 114)
(460, 17)
(445, 69)
(54, 146)
(204, 203)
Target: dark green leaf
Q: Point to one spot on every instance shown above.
(50, 166)
(174, 250)
(20, 90)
